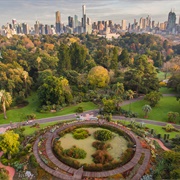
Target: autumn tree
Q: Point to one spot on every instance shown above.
(5, 100)
(98, 76)
(9, 143)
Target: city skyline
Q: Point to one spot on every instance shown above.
(115, 10)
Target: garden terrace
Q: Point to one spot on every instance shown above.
(66, 172)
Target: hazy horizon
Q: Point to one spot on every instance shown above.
(29, 11)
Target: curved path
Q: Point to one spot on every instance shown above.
(161, 144)
(11, 170)
(95, 112)
(72, 173)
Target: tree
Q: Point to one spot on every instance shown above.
(114, 60)
(9, 143)
(124, 58)
(78, 56)
(142, 78)
(153, 97)
(98, 76)
(146, 108)
(5, 100)
(54, 91)
(64, 58)
(118, 89)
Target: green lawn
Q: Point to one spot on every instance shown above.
(158, 113)
(157, 129)
(161, 75)
(29, 130)
(165, 90)
(19, 114)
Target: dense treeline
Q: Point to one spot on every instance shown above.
(69, 69)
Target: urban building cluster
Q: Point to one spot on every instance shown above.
(76, 26)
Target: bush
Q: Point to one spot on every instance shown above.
(32, 161)
(31, 116)
(3, 174)
(79, 109)
(103, 135)
(101, 145)
(80, 133)
(75, 152)
(102, 157)
(169, 128)
(127, 156)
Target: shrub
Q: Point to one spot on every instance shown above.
(162, 84)
(80, 133)
(172, 116)
(101, 145)
(75, 152)
(32, 161)
(31, 116)
(103, 135)
(3, 174)
(169, 128)
(102, 157)
(127, 156)
(79, 109)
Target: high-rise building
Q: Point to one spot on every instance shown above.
(76, 23)
(123, 25)
(171, 21)
(83, 10)
(70, 22)
(84, 18)
(25, 28)
(36, 27)
(58, 22)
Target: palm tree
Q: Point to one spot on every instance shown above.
(146, 108)
(5, 100)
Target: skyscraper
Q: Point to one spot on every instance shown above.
(84, 18)
(123, 25)
(70, 22)
(171, 22)
(58, 22)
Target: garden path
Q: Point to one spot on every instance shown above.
(11, 170)
(161, 144)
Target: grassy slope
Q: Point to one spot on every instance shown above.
(17, 115)
(159, 112)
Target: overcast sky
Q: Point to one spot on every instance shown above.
(44, 10)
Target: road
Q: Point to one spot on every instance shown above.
(95, 113)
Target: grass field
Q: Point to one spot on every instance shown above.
(159, 112)
(19, 114)
(165, 90)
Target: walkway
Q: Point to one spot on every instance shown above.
(11, 170)
(73, 174)
(161, 144)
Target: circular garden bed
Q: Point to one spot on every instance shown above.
(95, 148)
